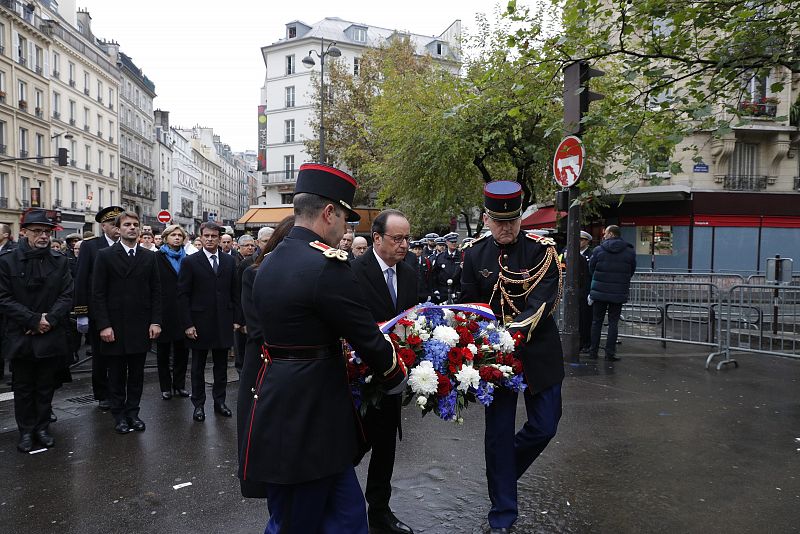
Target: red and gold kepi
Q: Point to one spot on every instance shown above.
(328, 182)
(503, 200)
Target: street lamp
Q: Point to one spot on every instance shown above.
(309, 62)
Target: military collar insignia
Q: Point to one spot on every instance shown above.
(486, 273)
(547, 241)
(328, 251)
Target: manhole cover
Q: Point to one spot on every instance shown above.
(84, 399)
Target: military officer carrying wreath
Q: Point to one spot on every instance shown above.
(304, 434)
(517, 274)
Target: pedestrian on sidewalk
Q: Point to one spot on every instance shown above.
(612, 266)
(126, 309)
(35, 301)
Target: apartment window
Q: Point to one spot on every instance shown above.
(286, 198)
(99, 91)
(88, 195)
(4, 186)
(288, 166)
(56, 64)
(22, 91)
(2, 81)
(73, 150)
(23, 142)
(440, 49)
(290, 97)
(88, 154)
(99, 124)
(72, 112)
(2, 41)
(86, 80)
(87, 121)
(111, 131)
(25, 183)
(288, 131)
(39, 145)
(39, 98)
(73, 192)
(71, 68)
(56, 105)
(291, 32)
(744, 160)
(360, 35)
(3, 137)
(22, 49)
(111, 167)
(100, 157)
(110, 97)
(111, 198)
(100, 195)
(39, 59)
(290, 64)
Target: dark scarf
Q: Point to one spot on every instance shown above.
(174, 256)
(34, 260)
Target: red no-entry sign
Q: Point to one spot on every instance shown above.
(164, 216)
(568, 161)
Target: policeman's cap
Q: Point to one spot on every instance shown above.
(37, 217)
(75, 236)
(108, 214)
(328, 182)
(416, 244)
(452, 237)
(432, 236)
(439, 241)
(503, 200)
(586, 235)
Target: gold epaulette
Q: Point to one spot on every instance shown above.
(484, 236)
(328, 251)
(547, 241)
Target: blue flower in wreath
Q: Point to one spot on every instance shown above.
(447, 406)
(515, 383)
(435, 317)
(485, 393)
(435, 351)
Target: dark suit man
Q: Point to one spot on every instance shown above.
(126, 310)
(209, 307)
(6, 244)
(389, 286)
(83, 296)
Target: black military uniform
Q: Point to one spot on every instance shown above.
(303, 433)
(521, 282)
(83, 296)
(423, 266)
(446, 267)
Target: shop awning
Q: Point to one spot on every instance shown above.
(542, 218)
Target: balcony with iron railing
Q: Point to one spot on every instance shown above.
(25, 203)
(57, 203)
(3, 202)
(745, 183)
(287, 176)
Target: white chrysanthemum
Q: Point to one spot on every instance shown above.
(506, 341)
(421, 322)
(422, 401)
(445, 334)
(424, 335)
(490, 326)
(423, 379)
(467, 376)
(473, 349)
(448, 315)
(506, 370)
(400, 330)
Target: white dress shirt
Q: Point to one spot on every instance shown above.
(208, 257)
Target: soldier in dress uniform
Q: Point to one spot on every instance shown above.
(303, 433)
(446, 270)
(517, 274)
(83, 295)
(430, 245)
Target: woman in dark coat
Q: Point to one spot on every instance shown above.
(172, 339)
(35, 301)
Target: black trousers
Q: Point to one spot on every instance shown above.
(599, 309)
(220, 359)
(100, 365)
(34, 384)
(239, 342)
(176, 377)
(381, 424)
(584, 321)
(126, 382)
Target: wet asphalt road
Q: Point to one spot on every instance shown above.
(653, 443)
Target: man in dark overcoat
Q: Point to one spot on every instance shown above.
(126, 310)
(389, 285)
(303, 434)
(83, 297)
(517, 274)
(209, 309)
(35, 302)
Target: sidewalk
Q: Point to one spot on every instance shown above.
(653, 443)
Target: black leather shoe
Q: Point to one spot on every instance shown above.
(104, 405)
(180, 392)
(223, 410)
(386, 522)
(136, 424)
(25, 442)
(53, 417)
(122, 427)
(612, 358)
(166, 395)
(199, 414)
(44, 437)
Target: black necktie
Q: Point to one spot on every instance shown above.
(214, 264)
(131, 253)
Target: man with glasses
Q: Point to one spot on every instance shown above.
(517, 274)
(389, 286)
(360, 246)
(35, 301)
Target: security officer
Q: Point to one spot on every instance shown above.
(83, 295)
(439, 246)
(517, 274)
(423, 265)
(304, 434)
(430, 245)
(446, 271)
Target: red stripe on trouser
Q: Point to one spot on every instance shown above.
(259, 380)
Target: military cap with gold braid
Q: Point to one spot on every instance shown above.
(503, 200)
(108, 214)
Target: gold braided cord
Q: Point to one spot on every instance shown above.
(528, 282)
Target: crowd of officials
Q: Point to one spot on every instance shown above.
(281, 303)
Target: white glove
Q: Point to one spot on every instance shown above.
(589, 300)
(83, 324)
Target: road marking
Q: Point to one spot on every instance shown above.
(179, 486)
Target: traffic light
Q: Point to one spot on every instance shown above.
(63, 157)
(577, 95)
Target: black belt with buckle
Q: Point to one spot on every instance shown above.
(304, 352)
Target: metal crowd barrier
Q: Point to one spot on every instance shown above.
(762, 319)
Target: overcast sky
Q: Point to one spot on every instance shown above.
(205, 57)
